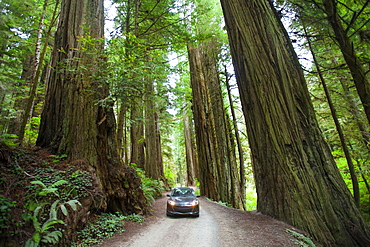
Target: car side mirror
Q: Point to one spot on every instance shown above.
(168, 195)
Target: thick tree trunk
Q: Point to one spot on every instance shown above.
(137, 134)
(73, 122)
(153, 163)
(224, 170)
(228, 181)
(297, 180)
(203, 126)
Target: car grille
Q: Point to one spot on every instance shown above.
(183, 209)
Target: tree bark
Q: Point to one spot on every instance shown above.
(224, 170)
(203, 127)
(137, 133)
(74, 122)
(154, 163)
(190, 152)
(238, 142)
(121, 133)
(297, 180)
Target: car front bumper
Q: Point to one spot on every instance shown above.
(171, 211)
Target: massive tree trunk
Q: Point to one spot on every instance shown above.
(297, 180)
(227, 167)
(74, 121)
(137, 133)
(223, 168)
(153, 150)
(203, 126)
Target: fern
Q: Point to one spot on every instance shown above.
(44, 232)
(49, 189)
(302, 239)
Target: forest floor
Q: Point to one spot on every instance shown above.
(217, 226)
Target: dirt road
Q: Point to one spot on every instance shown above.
(216, 226)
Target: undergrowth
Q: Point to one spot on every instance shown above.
(103, 228)
(37, 191)
(152, 188)
(301, 239)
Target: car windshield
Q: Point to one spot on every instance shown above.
(183, 192)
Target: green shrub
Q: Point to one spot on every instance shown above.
(301, 239)
(9, 139)
(46, 232)
(103, 228)
(5, 208)
(152, 188)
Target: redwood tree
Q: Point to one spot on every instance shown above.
(297, 180)
(190, 150)
(77, 120)
(219, 178)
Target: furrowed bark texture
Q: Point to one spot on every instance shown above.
(153, 163)
(191, 158)
(223, 167)
(73, 120)
(203, 127)
(137, 133)
(296, 177)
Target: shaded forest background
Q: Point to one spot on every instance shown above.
(162, 84)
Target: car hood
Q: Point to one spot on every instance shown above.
(183, 199)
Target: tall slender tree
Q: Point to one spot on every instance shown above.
(190, 150)
(354, 64)
(355, 186)
(297, 180)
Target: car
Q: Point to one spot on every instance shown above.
(183, 201)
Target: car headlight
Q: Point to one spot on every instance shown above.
(172, 203)
(195, 202)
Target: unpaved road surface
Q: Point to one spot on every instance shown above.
(216, 226)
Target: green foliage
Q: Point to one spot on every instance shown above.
(302, 240)
(171, 177)
(250, 199)
(103, 228)
(65, 185)
(31, 130)
(46, 232)
(49, 189)
(8, 139)
(58, 158)
(5, 208)
(152, 188)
